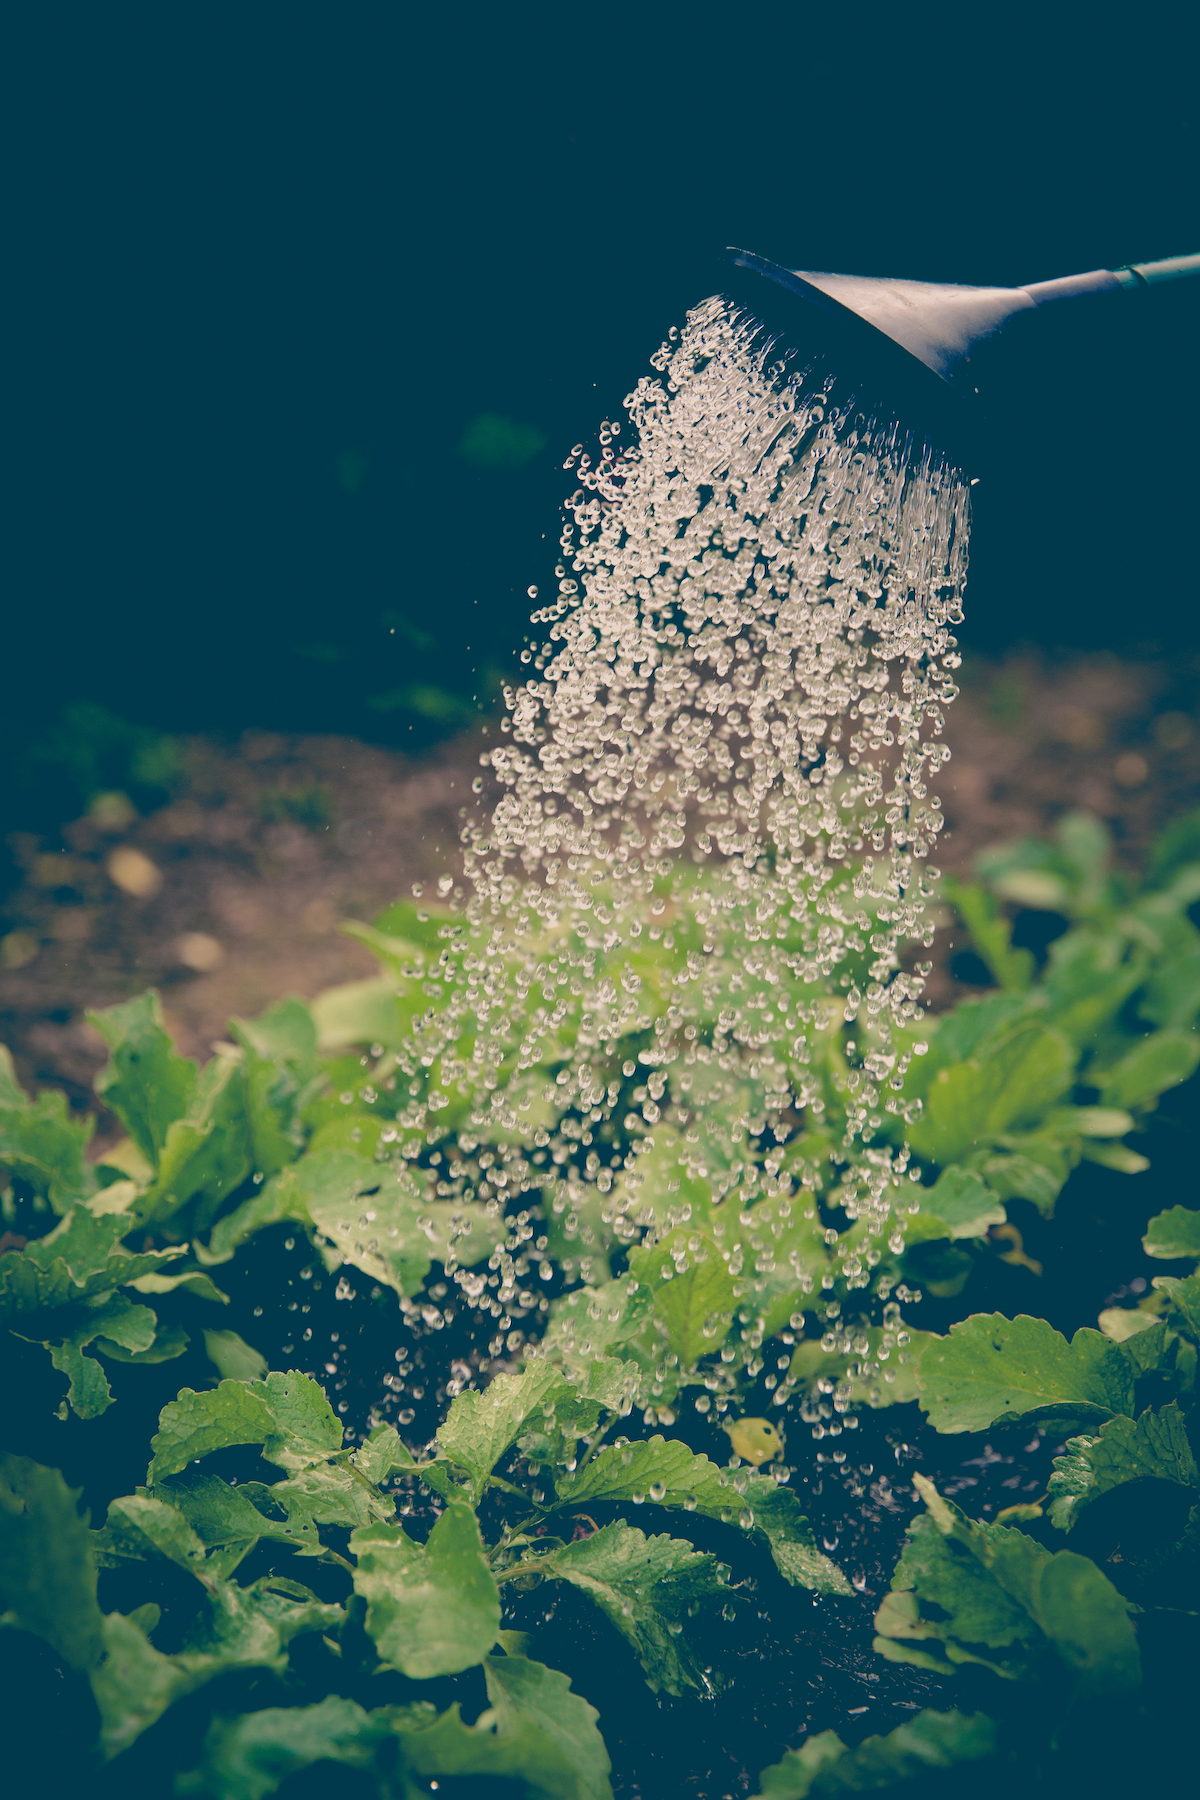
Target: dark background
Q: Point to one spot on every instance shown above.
(268, 266)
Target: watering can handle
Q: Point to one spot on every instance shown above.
(1133, 277)
(1171, 268)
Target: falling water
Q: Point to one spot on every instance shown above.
(744, 673)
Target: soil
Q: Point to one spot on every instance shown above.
(278, 839)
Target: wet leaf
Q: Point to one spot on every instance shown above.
(990, 1369)
(432, 1609)
(47, 1569)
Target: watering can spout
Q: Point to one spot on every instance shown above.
(941, 324)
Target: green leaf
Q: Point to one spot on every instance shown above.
(221, 1515)
(913, 1751)
(145, 1082)
(964, 1203)
(207, 1151)
(140, 1527)
(497, 1747)
(359, 1012)
(130, 1326)
(382, 1452)
(525, 1693)
(284, 1035)
(432, 1609)
(667, 1473)
(991, 934)
(287, 1414)
(1008, 1082)
(40, 1142)
(194, 1425)
(394, 1234)
(693, 1292)
(238, 1628)
(135, 1683)
(1088, 1623)
(47, 1570)
(481, 1427)
(975, 1593)
(991, 1369)
(233, 1357)
(1154, 1448)
(1173, 1234)
(648, 1588)
(1183, 1299)
(248, 1757)
(1160, 1061)
(82, 1256)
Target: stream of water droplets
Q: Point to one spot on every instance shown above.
(734, 716)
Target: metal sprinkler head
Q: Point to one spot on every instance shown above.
(913, 341)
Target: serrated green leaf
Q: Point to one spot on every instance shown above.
(1031, 1166)
(207, 1152)
(82, 1256)
(1183, 1299)
(1007, 1082)
(287, 1414)
(992, 1369)
(964, 1203)
(238, 1628)
(140, 1528)
(1088, 1623)
(41, 1143)
(394, 1233)
(1173, 1234)
(693, 1292)
(1156, 1448)
(633, 1471)
(221, 1515)
(194, 1425)
(648, 1588)
(246, 1758)
(135, 1683)
(924, 1744)
(507, 1749)
(130, 1326)
(47, 1570)
(989, 1594)
(525, 1693)
(382, 1452)
(146, 1083)
(481, 1427)
(1159, 1062)
(432, 1609)
(332, 1495)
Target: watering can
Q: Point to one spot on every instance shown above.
(915, 343)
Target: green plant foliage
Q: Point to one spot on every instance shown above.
(913, 1751)
(687, 1197)
(1152, 1448)
(992, 1370)
(47, 1572)
(432, 1609)
(649, 1588)
(40, 1143)
(970, 1593)
(1173, 1234)
(669, 1474)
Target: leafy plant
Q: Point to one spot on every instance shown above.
(665, 1229)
